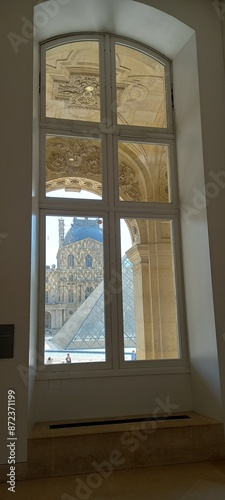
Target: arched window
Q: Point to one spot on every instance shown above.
(70, 261)
(88, 260)
(109, 102)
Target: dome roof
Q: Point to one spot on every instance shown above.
(82, 229)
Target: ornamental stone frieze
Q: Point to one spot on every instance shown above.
(134, 230)
(75, 164)
(73, 157)
(73, 91)
(74, 185)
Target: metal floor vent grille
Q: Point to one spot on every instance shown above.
(121, 421)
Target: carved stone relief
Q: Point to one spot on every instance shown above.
(134, 230)
(73, 157)
(80, 90)
(75, 185)
(127, 185)
(163, 177)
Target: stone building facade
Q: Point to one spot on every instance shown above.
(78, 272)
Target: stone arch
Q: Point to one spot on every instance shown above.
(75, 164)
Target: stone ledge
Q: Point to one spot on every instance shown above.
(43, 430)
(116, 446)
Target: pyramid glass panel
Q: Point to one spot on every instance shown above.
(149, 291)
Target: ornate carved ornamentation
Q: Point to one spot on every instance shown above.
(81, 90)
(74, 185)
(127, 185)
(163, 177)
(134, 230)
(72, 157)
(76, 164)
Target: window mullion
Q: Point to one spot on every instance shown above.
(107, 123)
(132, 164)
(144, 133)
(110, 127)
(42, 81)
(112, 238)
(111, 294)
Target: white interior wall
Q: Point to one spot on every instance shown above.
(126, 18)
(16, 90)
(16, 86)
(111, 396)
(114, 395)
(205, 380)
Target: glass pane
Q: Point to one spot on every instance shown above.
(72, 81)
(144, 172)
(148, 291)
(140, 83)
(74, 165)
(74, 297)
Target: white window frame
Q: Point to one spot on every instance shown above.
(111, 209)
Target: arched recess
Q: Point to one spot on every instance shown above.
(75, 163)
(150, 25)
(176, 40)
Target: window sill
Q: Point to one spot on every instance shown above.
(127, 372)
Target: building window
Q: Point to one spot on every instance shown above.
(88, 260)
(70, 261)
(88, 291)
(70, 296)
(47, 322)
(109, 161)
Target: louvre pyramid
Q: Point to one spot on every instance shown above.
(86, 329)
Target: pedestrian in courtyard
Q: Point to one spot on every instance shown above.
(68, 358)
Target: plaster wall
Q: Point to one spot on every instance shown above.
(205, 382)
(16, 89)
(202, 115)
